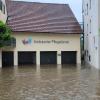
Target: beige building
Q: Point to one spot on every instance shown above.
(91, 16)
(45, 34)
(3, 13)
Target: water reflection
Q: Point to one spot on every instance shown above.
(50, 82)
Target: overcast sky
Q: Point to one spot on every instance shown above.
(76, 5)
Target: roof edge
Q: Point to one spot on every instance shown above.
(38, 2)
(46, 32)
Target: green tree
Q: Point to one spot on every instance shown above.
(5, 32)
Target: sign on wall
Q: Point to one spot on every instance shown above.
(30, 41)
(50, 41)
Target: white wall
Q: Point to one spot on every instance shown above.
(91, 39)
(99, 28)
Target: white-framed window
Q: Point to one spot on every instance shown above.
(94, 40)
(90, 4)
(87, 29)
(2, 7)
(90, 25)
(87, 8)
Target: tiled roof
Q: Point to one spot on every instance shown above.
(41, 17)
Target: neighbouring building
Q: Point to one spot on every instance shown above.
(45, 34)
(3, 12)
(91, 18)
(3, 17)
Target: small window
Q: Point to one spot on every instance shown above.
(87, 9)
(90, 25)
(89, 58)
(90, 4)
(3, 8)
(85, 12)
(0, 5)
(87, 53)
(94, 40)
(87, 28)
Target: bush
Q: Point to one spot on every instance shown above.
(5, 32)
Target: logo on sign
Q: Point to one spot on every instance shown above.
(27, 41)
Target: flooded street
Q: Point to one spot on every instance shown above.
(50, 83)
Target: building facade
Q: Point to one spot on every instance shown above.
(3, 12)
(45, 34)
(91, 18)
(3, 17)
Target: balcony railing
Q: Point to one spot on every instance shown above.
(11, 42)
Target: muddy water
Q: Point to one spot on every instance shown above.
(50, 83)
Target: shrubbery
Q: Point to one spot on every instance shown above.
(4, 33)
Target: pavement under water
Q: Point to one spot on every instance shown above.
(50, 82)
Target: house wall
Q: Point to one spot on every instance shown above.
(72, 43)
(91, 31)
(3, 16)
(99, 29)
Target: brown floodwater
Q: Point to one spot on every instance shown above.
(50, 82)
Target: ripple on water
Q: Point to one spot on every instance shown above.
(50, 83)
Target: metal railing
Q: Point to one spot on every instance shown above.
(11, 42)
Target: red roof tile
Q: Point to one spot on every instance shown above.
(41, 17)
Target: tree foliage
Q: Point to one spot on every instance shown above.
(5, 32)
